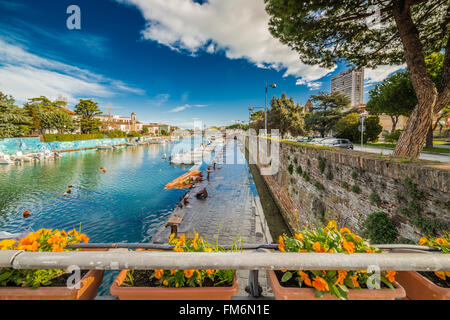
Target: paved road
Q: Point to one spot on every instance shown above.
(423, 156)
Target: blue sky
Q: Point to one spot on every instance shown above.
(168, 61)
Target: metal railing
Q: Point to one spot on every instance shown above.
(147, 260)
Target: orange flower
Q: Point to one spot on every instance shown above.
(303, 275)
(348, 246)
(390, 275)
(299, 236)
(57, 248)
(355, 281)
(159, 273)
(342, 274)
(440, 274)
(165, 282)
(281, 244)
(320, 284)
(210, 271)
(172, 272)
(84, 238)
(188, 273)
(317, 247)
(308, 282)
(440, 241)
(344, 230)
(182, 240)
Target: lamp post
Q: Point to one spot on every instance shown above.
(250, 111)
(265, 106)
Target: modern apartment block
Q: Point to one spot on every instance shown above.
(351, 84)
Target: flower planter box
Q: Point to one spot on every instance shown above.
(88, 290)
(289, 293)
(161, 293)
(420, 288)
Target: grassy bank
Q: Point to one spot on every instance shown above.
(392, 146)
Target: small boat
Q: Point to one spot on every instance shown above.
(5, 159)
(130, 144)
(164, 156)
(104, 147)
(184, 181)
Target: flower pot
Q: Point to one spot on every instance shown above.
(88, 290)
(161, 293)
(420, 288)
(289, 293)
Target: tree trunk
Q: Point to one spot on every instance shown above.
(429, 141)
(413, 136)
(394, 123)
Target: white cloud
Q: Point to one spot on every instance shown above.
(25, 75)
(372, 76)
(187, 106)
(311, 85)
(239, 28)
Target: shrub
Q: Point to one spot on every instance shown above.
(393, 136)
(375, 198)
(322, 163)
(299, 170)
(330, 175)
(379, 229)
(290, 168)
(329, 240)
(72, 137)
(356, 189)
(319, 186)
(134, 134)
(347, 127)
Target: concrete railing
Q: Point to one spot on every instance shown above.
(117, 259)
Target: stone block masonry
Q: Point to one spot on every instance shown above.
(316, 184)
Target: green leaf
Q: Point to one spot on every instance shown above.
(286, 276)
(334, 290)
(343, 288)
(386, 282)
(342, 292)
(319, 294)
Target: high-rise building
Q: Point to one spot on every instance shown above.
(351, 84)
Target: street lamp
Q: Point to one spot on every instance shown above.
(265, 106)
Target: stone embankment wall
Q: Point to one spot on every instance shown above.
(315, 184)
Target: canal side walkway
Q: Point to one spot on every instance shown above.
(230, 211)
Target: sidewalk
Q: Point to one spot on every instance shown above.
(230, 211)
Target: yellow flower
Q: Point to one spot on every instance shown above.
(159, 273)
(165, 282)
(299, 236)
(171, 237)
(423, 241)
(344, 230)
(178, 249)
(6, 244)
(332, 225)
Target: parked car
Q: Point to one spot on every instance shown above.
(340, 143)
